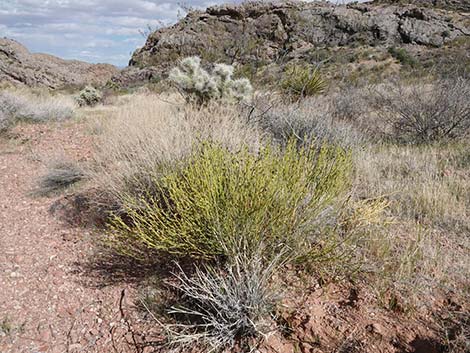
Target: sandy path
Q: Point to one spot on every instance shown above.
(45, 305)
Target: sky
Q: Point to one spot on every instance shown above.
(106, 31)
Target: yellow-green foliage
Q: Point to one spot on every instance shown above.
(218, 202)
(303, 81)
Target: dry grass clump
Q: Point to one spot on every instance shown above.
(59, 176)
(224, 306)
(21, 105)
(351, 104)
(429, 184)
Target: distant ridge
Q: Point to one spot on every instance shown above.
(19, 66)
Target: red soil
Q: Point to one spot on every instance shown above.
(53, 300)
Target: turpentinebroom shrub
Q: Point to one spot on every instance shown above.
(217, 199)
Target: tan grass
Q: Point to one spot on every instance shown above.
(33, 105)
(149, 131)
(426, 248)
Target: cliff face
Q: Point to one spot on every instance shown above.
(18, 65)
(269, 32)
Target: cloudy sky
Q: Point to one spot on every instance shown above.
(90, 30)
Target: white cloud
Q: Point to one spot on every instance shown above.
(69, 28)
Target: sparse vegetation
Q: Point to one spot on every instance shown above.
(187, 187)
(428, 112)
(20, 105)
(425, 188)
(351, 196)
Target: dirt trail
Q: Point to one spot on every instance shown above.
(47, 302)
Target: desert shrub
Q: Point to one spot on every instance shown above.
(310, 121)
(402, 55)
(427, 112)
(60, 175)
(199, 86)
(225, 305)
(89, 96)
(303, 81)
(19, 105)
(350, 104)
(205, 206)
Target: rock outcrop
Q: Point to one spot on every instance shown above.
(270, 32)
(19, 66)
(454, 5)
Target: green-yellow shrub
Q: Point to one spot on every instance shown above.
(218, 203)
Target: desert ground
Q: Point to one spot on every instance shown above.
(317, 202)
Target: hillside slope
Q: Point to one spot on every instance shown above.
(18, 65)
(270, 32)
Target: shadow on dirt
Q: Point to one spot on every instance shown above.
(425, 345)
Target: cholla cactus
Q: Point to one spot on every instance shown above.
(200, 86)
(89, 96)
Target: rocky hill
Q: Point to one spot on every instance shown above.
(455, 5)
(18, 65)
(280, 31)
